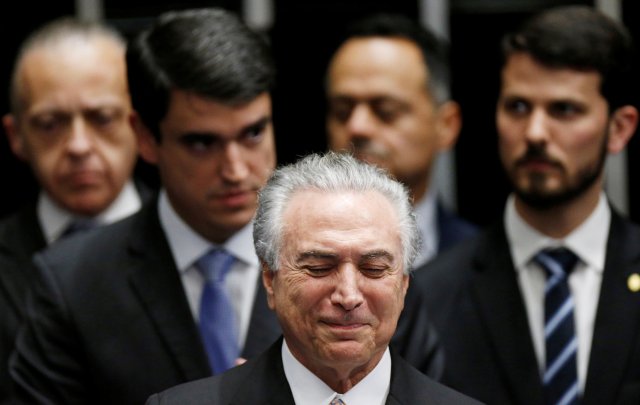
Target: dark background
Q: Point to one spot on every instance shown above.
(303, 36)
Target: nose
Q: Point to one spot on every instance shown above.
(362, 122)
(234, 166)
(537, 130)
(347, 291)
(79, 142)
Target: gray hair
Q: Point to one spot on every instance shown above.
(52, 33)
(330, 172)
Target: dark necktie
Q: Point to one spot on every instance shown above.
(217, 318)
(560, 376)
(77, 226)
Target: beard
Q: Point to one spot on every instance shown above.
(538, 197)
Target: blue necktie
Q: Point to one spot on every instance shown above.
(560, 379)
(217, 318)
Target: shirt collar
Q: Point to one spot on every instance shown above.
(187, 245)
(308, 389)
(588, 241)
(54, 219)
(425, 211)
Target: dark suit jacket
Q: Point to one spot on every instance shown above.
(475, 304)
(416, 340)
(21, 236)
(262, 381)
(452, 229)
(13, 285)
(108, 321)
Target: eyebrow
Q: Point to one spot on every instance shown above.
(260, 123)
(315, 254)
(376, 254)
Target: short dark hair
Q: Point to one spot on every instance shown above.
(580, 38)
(434, 50)
(209, 52)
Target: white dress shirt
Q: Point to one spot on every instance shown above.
(588, 242)
(187, 247)
(55, 219)
(426, 212)
(308, 389)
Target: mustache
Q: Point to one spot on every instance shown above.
(368, 148)
(536, 153)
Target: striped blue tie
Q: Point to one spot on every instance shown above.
(560, 379)
(217, 318)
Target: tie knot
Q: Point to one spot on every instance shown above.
(337, 401)
(215, 264)
(557, 261)
(78, 225)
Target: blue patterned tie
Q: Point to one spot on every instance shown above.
(217, 318)
(560, 376)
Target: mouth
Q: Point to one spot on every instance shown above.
(537, 164)
(235, 198)
(82, 179)
(345, 324)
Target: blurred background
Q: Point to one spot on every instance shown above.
(303, 35)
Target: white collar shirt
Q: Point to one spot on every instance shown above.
(55, 219)
(588, 241)
(426, 218)
(308, 389)
(187, 246)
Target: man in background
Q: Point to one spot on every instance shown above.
(388, 103)
(544, 307)
(69, 120)
(138, 306)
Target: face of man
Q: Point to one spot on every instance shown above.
(213, 159)
(340, 287)
(553, 127)
(74, 128)
(381, 109)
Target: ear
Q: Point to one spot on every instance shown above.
(147, 144)
(13, 135)
(268, 277)
(622, 126)
(448, 124)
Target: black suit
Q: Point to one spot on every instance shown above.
(416, 340)
(262, 381)
(109, 322)
(474, 300)
(452, 229)
(21, 236)
(13, 289)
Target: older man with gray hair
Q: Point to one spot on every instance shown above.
(336, 238)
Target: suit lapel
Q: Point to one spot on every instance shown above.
(20, 237)
(264, 328)
(268, 383)
(22, 234)
(502, 311)
(156, 281)
(617, 317)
